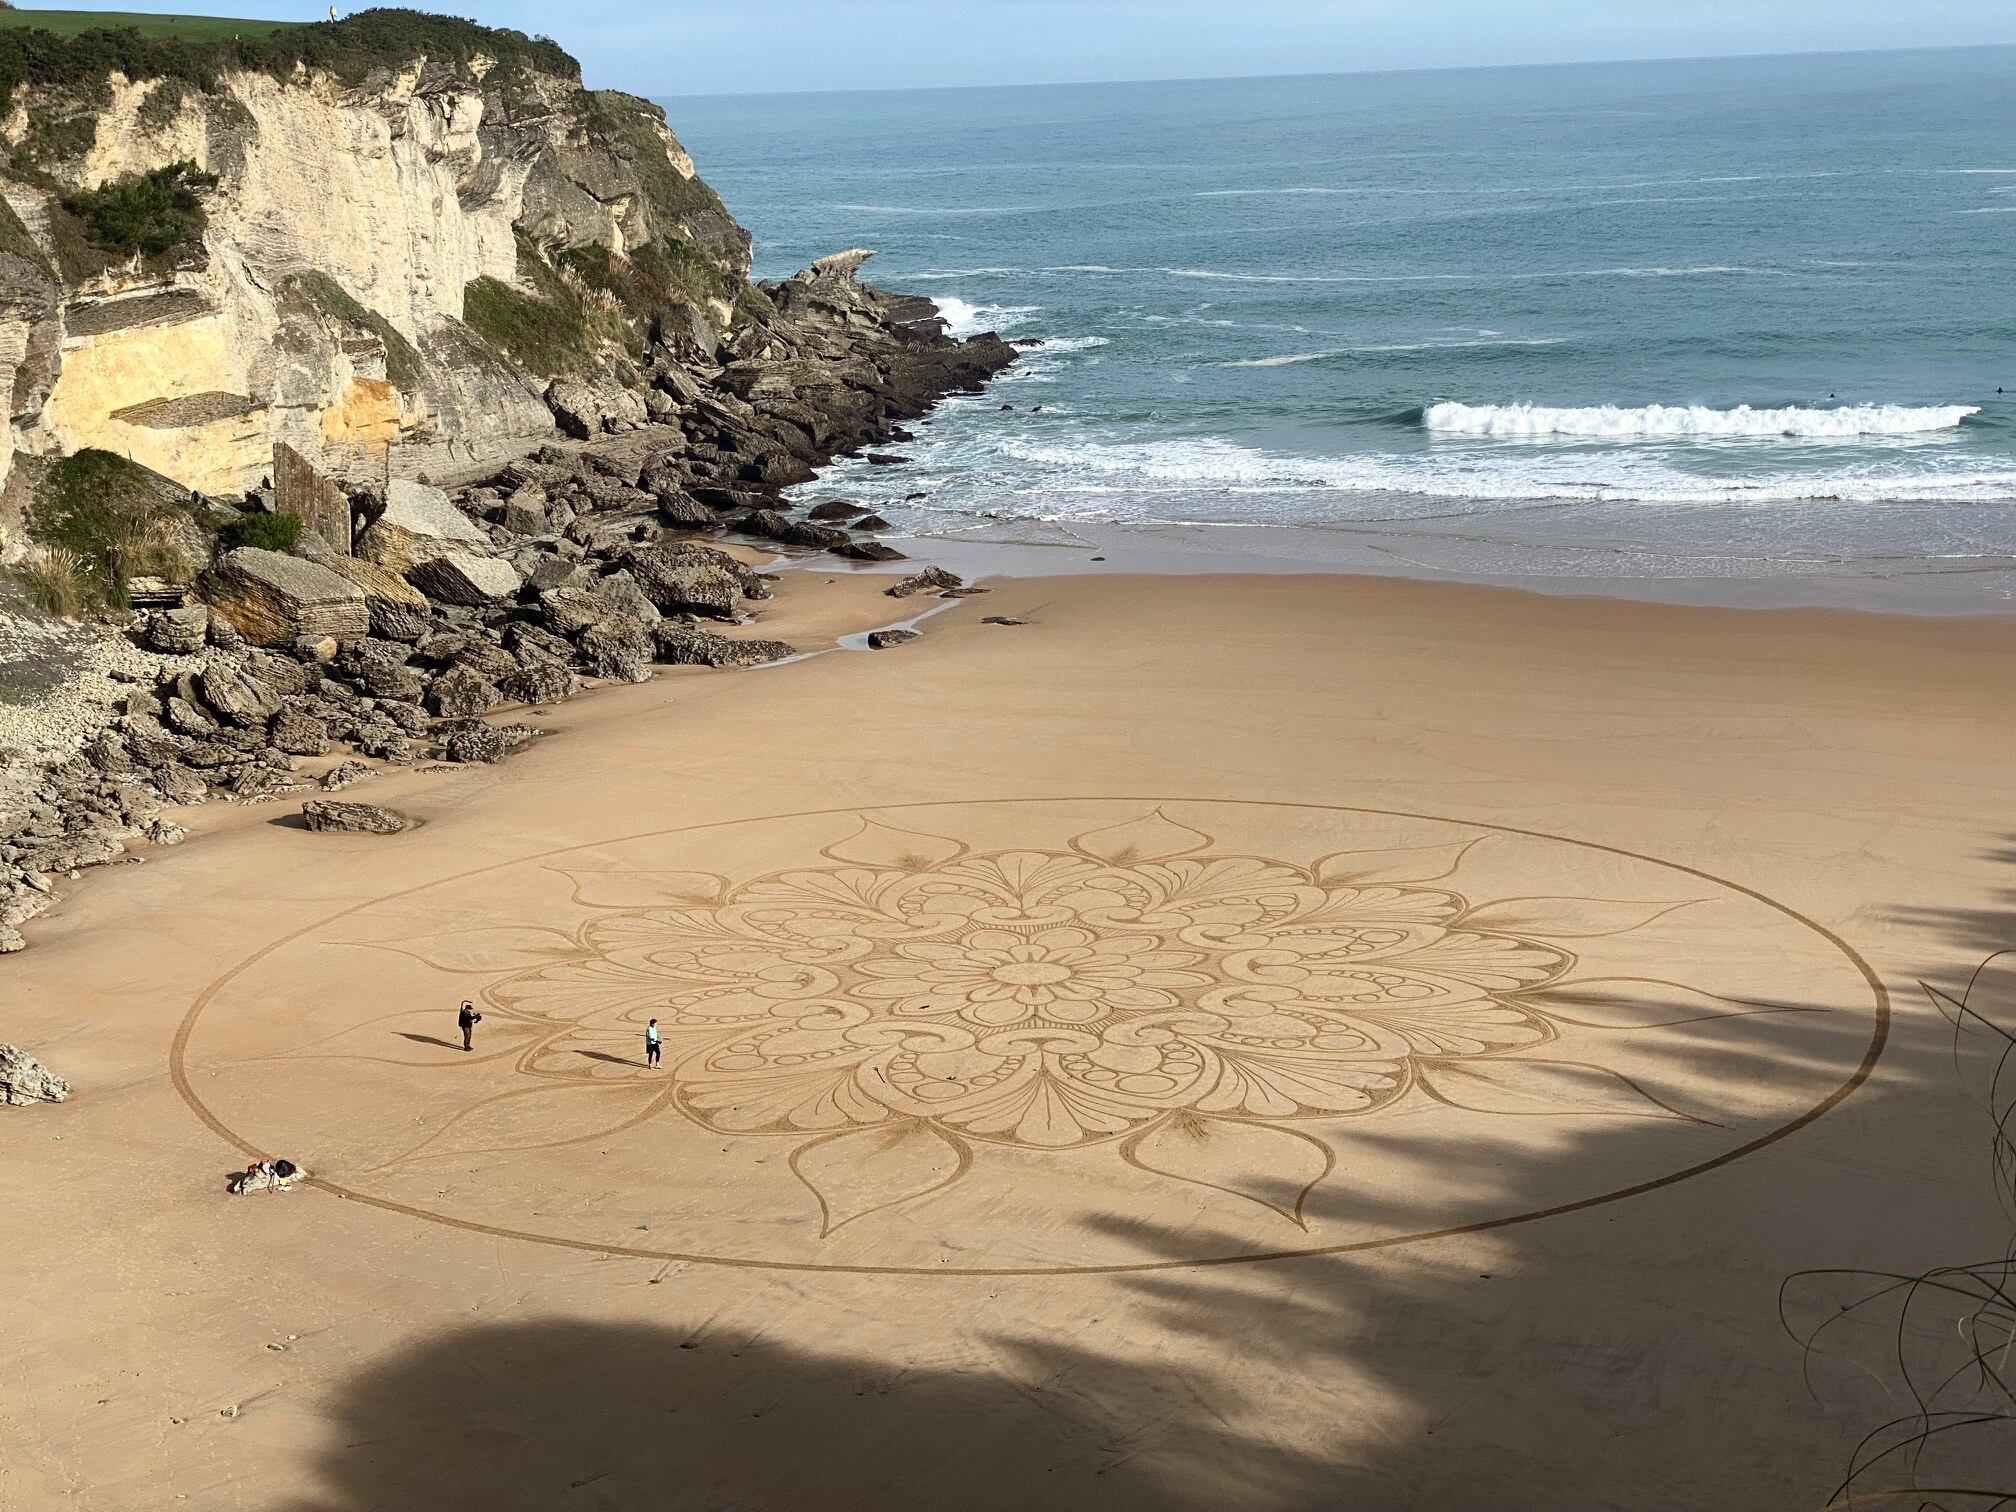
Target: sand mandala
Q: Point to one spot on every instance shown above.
(1037, 1035)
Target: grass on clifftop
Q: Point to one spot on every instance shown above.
(70, 23)
(78, 55)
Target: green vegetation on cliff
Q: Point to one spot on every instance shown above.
(269, 532)
(550, 331)
(203, 50)
(317, 291)
(149, 213)
(100, 521)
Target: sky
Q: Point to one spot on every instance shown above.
(666, 47)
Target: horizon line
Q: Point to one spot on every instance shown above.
(1337, 73)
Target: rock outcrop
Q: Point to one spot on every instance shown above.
(25, 1080)
(370, 247)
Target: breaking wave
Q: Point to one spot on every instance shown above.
(1609, 422)
(1188, 473)
(966, 319)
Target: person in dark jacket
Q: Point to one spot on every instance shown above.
(467, 1020)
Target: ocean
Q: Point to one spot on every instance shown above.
(1736, 318)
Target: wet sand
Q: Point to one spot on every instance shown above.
(1229, 1041)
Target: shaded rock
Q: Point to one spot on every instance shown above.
(882, 640)
(327, 816)
(524, 513)
(884, 459)
(316, 648)
(274, 600)
(871, 522)
(236, 696)
(299, 734)
(400, 622)
(163, 832)
(25, 1080)
(186, 719)
(929, 578)
(868, 551)
(298, 489)
(462, 693)
(685, 512)
(1003, 619)
(464, 578)
(224, 635)
(176, 632)
(687, 579)
(419, 522)
(686, 645)
(618, 649)
(543, 682)
(834, 509)
(474, 742)
(349, 773)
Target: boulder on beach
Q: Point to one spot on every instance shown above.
(419, 522)
(882, 640)
(25, 1080)
(327, 816)
(922, 582)
(274, 599)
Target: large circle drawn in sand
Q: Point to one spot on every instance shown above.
(1032, 1036)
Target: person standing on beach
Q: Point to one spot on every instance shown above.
(467, 1020)
(651, 1044)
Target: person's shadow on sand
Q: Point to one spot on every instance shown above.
(427, 1039)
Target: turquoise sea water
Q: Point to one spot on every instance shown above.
(1728, 317)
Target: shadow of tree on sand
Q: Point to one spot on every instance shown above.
(1625, 1355)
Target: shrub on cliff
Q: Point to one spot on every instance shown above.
(269, 532)
(106, 520)
(151, 213)
(354, 48)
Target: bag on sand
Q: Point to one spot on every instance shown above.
(265, 1181)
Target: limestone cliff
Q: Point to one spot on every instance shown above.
(394, 264)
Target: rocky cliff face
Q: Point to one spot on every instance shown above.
(440, 265)
(327, 303)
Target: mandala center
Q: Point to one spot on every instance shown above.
(1031, 973)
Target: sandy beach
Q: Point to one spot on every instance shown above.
(1258, 1041)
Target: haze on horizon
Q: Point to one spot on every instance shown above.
(761, 46)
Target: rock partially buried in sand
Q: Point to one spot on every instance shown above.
(690, 647)
(25, 1080)
(882, 640)
(325, 816)
(930, 577)
(1003, 619)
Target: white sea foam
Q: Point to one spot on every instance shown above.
(964, 319)
(1261, 193)
(1059, 344)
(1661, 421)
(1991, 210)
(1293, 359)
(1107, 477)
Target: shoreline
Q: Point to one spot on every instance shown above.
(1911, 587)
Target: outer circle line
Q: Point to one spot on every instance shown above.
(178, 1071)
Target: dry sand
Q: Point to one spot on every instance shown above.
(1272, 1043)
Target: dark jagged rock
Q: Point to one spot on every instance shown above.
(871, 522)
(327, 816)
(834, 509)
(928, 579)
(882, 640)
(462, 693)
(867, 551)
(619, 650)
(689, 646)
